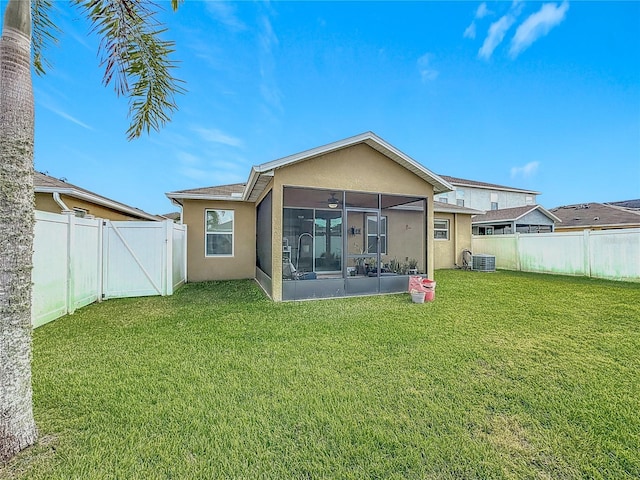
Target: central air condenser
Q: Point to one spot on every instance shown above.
(483, 263)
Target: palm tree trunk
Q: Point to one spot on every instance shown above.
(17, 425)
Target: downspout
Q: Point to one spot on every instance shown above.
(63, 206)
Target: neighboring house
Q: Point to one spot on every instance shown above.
(485, 196)
(58, 196)
(353, 217)
(175, 216)
(525, 219)
(451, 228)
(597, 216)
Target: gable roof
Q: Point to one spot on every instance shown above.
(261, 175)
(512, 214)
(596, 215)
(461, 182)
(43, 183)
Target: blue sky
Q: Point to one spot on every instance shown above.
(537, 95)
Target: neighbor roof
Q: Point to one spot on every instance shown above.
(626, 204)
(461, 182)
(596, 215)
(261, 175)
(232, 191)
(511, 214)
(43, 183)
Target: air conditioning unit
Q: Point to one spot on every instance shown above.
(483, 263)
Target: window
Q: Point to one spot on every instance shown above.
(80, 212)
(218, 233)
(494, 201)
(373, 232)
(460, 198)
(441, 229)
(442, 199)
(460, 202)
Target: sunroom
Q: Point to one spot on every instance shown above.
(340, 243)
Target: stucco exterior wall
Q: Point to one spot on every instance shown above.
(243, 262)
(448, 253)
(356, 168)
(46, 203)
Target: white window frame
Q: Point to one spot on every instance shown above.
(383, 220)
(437, 228)
(207, 233)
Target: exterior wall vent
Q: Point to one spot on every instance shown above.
(484, 263)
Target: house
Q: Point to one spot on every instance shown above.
(525, 219)
(485, 196)
(597, 216)
(353, 217)
(58, 196)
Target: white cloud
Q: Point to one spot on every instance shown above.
(482, 11)
(427, 72)
(496, 34)
(226, 14)
(470, 31)
(217, 136)
(537, 25)
(525, 171)
(66, 116)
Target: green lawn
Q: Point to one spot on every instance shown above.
(505, 375)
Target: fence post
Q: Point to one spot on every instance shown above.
(586, 246)
(168, 235)
(518, 263)
(71, 244)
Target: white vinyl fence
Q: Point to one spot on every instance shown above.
(77, 261)
(609, 254)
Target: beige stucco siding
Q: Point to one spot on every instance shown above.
(356, 168)
(242, 263)
(448, 253)
(46, 203)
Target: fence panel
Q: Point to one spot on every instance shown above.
(608, 254)
(50, 268)
(552, 253)
(615, 254)
(504, 247)
(179, 254)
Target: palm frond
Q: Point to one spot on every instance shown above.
(136, 59)
(43, 33)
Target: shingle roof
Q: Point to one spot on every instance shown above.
(510, 214)
(474, 183)
(215, 191)
(595, 215)
(626, 203)
(45, 183)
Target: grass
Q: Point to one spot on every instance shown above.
(505, 375)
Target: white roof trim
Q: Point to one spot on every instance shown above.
(515, 219)
(204, 196)
(105, 202)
